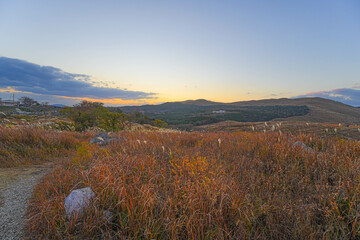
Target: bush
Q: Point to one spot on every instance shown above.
(113, 121)
(159, 123)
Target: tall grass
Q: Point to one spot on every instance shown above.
(27, 146)
(206, 186)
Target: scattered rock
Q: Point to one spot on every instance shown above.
(97, 140)
(104, 135)
(2, 115)
(77, 201)
(102, 139)
(303, 147)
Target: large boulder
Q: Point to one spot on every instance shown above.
(77, 201)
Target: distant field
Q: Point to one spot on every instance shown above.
(178, 114)
(237, 185)
(324, 130)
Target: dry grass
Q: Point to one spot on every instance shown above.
(29, 146)
(324, 130)
(206, 186)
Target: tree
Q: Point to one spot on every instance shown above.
(85, 114)
(93, 114)
(113, 121)
(159, 123)
(87, 105)
(140, 117)
(27, 101)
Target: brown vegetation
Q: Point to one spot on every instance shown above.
(206, 186)
(324, 130)
(28, 146)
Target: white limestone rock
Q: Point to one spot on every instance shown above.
(77, 201)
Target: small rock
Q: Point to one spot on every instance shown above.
(107, 215)
(77, 201)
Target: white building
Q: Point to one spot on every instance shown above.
(219, 111)
(8, 103)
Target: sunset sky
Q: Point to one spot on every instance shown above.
(137, 52)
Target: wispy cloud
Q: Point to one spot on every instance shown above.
(349, 96)
(24, 76)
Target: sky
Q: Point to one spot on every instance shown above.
(148, 52)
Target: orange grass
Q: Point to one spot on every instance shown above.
(27, 146)
(205, 186)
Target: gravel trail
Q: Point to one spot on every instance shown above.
(16, 187)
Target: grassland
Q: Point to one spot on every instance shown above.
(21, 146)
(222, 185)
(323, 130)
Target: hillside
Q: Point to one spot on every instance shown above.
(321, 110)
(187, 114)
(200, 112)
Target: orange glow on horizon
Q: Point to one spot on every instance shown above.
(11, 90)
(152, 101)
(117, 100)
(110, 101)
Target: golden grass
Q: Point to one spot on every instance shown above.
(29, 146)
(206, 186)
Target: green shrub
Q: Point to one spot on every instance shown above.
(160, 123)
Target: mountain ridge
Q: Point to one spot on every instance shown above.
(201, 111)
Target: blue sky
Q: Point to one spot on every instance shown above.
(155, 51)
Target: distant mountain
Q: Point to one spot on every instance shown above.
(199, 112)
(58, 105)
(201, 102)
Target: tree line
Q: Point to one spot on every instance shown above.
(88, 114)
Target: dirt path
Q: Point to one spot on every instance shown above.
(16, 187)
